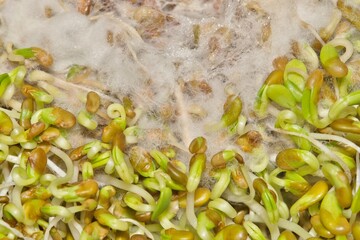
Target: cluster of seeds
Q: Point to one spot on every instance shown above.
(113, 188)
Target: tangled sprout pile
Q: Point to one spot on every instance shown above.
(84, 172)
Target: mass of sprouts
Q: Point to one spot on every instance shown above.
(87, 155)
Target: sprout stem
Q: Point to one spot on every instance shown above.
(190, 212)
(58, 171)
(321, 136)
(313, 32)
(343, 42)
(183, 116)
(69, 171)
(15, 197)
(146, 231)
(11, 113)
(261, 212)
(108, 180)
(6, 185)
(75, 229)
(52, 223)
(294, 228)
(70, 86)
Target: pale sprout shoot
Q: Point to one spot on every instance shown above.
(82, 159)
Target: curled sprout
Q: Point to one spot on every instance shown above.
(331, 62)
(117, 111)
(288, 121)
(128, 179)
(85, 119)
(262, 100)
(294, 77)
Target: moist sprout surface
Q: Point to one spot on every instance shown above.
(179, 120)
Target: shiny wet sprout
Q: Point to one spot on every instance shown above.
(112, 187)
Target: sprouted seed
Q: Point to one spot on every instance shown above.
(82, 172)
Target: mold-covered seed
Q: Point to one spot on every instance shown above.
(44, 58)
(84, 6)
(331, 62)
(280, 62)
(250, 140)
